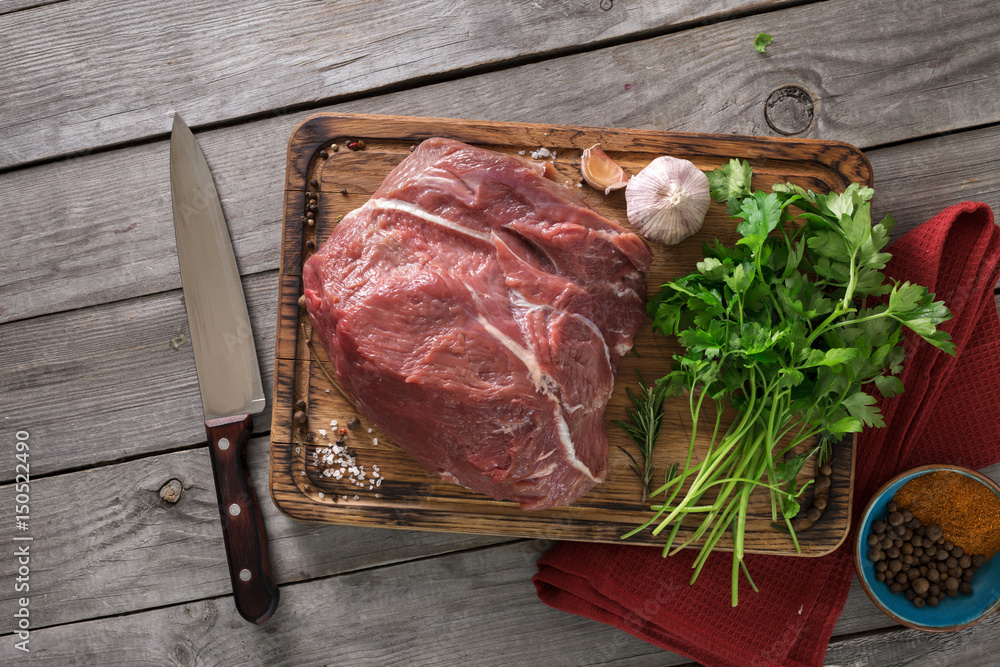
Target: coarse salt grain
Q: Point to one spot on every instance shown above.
(321, 495)
(333, 422)
(378, 482)
(322, 432)
(369, 430)
(357, 497)
(375, 441)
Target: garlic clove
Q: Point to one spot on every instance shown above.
(549, 171)
(667, 201)
(600, 171)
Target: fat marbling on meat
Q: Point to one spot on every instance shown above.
(476, 312)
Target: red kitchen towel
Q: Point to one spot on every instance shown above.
(948, 413)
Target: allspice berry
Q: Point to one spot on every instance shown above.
(916, 560)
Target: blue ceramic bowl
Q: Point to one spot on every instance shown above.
(951, 613)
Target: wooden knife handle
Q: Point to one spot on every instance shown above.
(254, 590)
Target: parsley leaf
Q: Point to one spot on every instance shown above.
(862, 406)
(761, 41)
(730, 182)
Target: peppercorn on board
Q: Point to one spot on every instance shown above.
(335, 162)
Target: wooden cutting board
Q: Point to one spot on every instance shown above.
(327, 177)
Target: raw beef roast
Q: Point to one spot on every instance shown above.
(476, 312)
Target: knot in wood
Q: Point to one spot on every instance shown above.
(538, 546)
(789, 110)
(172, 490)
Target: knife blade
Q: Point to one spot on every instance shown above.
(226, 362)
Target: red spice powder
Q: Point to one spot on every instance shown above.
(967, 510)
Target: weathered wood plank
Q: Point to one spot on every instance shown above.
(141, 552)
(105, 542)
(10, 6)
(476, 608)
(914, 181)
(107, 231)
(973, 647)
(97, 73)
(853, 57)
(117, 380)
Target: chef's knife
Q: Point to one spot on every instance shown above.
(226, 359)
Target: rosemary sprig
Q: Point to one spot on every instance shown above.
(643, 426)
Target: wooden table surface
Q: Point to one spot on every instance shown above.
(97, 366)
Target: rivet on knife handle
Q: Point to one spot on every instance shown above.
(254, 590)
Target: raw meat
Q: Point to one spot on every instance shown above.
(476, 311)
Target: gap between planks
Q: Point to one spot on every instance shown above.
(15, 6)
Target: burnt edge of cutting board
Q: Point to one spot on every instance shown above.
(832, 165)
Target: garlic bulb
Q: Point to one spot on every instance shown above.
(667, 201)
(600, 171)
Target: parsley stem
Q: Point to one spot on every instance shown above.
(824, 326)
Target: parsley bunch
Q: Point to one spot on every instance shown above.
(793, 328)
